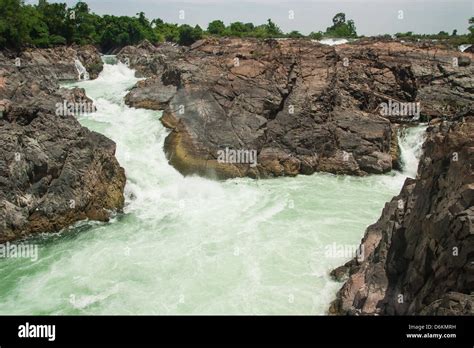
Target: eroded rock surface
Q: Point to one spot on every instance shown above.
(301, 106)
(419, 256)
(53, 171)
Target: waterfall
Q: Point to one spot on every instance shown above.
(109, 59)
(81, 70)
(240, 246)
(410, 141)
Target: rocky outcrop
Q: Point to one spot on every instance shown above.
(298, 105)
(419, 256)
(53, 171)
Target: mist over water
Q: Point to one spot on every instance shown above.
(192, 245)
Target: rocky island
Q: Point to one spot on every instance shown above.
(302, 106)
(53, 171)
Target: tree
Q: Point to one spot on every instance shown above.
(408, 34)
(250, 27)
(340, 28)
(188, 35)
(316, 36)
(238, 29)
(216, 27)
(339, 19)
(54, 15)
(38, 33)
(272, 29)
(351, 28)
(295, 34)
(142, 19)
(13, 26)
(471, 30)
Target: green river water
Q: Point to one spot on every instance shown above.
(192, 245)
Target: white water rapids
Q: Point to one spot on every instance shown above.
(192, 245)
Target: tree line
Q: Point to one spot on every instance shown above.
(51, 24)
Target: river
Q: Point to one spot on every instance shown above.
(188, 245)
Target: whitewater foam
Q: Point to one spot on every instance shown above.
(192, 245)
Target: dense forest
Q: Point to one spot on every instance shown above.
(51, 24)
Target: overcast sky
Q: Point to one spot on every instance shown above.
(371, 17)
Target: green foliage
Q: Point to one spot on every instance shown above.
(166, 31)
(188, 35)
(471, 30)
(51, 24)
(316, 36)
(341, 28)
(454, 39)
(13, 24)
(295, 34)
(216, 27)
(273, 30)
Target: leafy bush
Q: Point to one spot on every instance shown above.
(51, 24)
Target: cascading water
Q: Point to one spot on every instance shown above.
(410, 141)
(109, 59)
(192, 245)
(464, 47)
(81, 70)
(332, 42)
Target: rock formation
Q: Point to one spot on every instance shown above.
(53, 171)
(301, 106)
(419, 256)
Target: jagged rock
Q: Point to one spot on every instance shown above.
(453, 303)
(147, 59)
(301, 106)
(53, 171)
(150, 94)
(421, 250)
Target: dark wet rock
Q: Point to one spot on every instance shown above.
(53, 171)
(340, 273)
(148, 59)
(151, 94)
(419, 256)
(453, 303)
(301, 106)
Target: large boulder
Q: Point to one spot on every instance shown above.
(419, 256)
(297, 105)
(53, 171)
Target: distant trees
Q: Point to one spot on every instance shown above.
(272, 29)
(13, 25)
(50, 24)
(188, 35)
(471, 30)
(316, 36)
(341, 28)
(453, 39)
(295, 34)
(216, 27)
(240, 29)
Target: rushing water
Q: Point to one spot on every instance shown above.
(191, 245)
